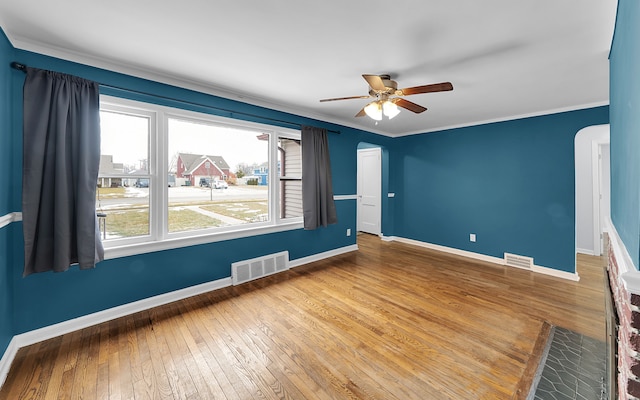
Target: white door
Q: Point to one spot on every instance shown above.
(369, 190)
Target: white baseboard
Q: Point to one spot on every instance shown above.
(572, 276)
(585, 251)
(321, 256)
(7, 359)
(51, 331)
(451, 250)
(482, 257)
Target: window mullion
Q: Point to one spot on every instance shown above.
(155, 192)
(274, 180)
(163, 174)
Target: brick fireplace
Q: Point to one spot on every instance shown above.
(624, 281)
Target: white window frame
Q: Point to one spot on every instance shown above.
(159, 238)
(277, 176)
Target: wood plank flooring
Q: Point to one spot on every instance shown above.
(391, 321)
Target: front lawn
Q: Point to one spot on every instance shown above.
(248, 211)
(135, 221)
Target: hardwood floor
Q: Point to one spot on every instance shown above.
(391, 321)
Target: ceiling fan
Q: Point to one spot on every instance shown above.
(382, 88)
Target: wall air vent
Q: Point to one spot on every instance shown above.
(248, 270)
(514, 260)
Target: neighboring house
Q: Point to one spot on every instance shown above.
(192, 167)
(136, 180)
(261, 174)
(107, 169)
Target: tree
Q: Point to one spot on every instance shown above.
(243, 169)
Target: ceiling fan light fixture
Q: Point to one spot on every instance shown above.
(374, 110)
(382, 88)
(390, 109)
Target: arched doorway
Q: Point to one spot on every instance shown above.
(592, 172)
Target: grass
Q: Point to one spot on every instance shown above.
(127, 223)
(181, 219)
(112, 193)
(135, 222)
(249, 211)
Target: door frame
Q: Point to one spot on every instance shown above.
(378, 150)
(598, 169)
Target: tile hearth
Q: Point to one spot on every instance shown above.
(574, 369)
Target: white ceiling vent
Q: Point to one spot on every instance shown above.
(248, 270)
(514, 260)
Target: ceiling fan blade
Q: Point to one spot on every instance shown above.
(345, 98)
(436, 87)
(361, 113)
(416, 108)
(375, 82)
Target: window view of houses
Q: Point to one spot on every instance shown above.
(214, 177)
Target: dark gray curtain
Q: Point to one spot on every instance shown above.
(318, 207)
(61, 156)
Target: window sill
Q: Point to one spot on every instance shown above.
(175, 243)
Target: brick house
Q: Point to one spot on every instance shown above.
(192, 167)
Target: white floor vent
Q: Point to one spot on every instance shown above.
(248, 270)
(517, 261)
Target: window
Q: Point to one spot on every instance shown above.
(208, 154)
(123, 177)
(290, 174)
(169, 175)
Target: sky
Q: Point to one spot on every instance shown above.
(126, 138)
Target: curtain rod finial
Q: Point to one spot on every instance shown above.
(17, 65)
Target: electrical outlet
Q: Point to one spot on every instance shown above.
(348, 232)
(472, 237)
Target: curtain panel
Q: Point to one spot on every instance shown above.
(61, 157)
(318, 206)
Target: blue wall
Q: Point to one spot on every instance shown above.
(48, 298)
(624, 91)
(43, 299)
(6, 197)
(511, 183)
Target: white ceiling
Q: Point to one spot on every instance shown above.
(505, 58)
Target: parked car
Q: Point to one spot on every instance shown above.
(142, 183)
(220, 185)
(205, 182)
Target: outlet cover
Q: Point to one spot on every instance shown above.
(348, 232)
(472, 237)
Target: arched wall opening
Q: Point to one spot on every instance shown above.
(592, 192)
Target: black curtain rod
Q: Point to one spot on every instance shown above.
(23, 68)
